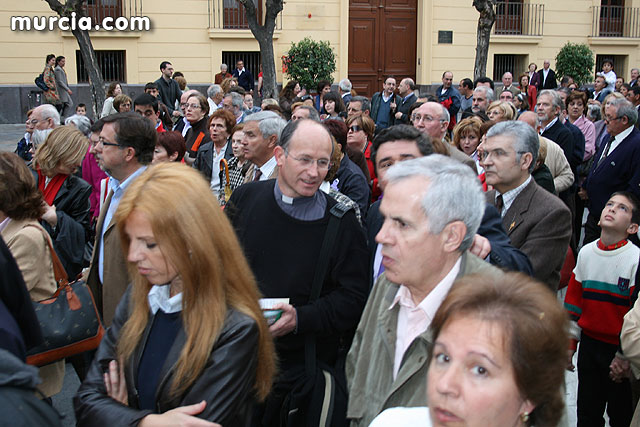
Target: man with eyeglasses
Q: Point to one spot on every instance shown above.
(537, 222)
(147, 106)
(432, 119)
(359, 106)
(44, 116)
(281, 224)
(616, 164)
(123, 150)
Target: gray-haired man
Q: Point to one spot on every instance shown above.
(537, 222)
(261, 135)
(432, 207)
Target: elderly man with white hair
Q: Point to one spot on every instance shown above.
(45, 116)
(432, 207)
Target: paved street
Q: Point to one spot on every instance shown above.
(10, 135)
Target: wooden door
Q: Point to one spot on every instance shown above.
(611, 18)
(382, 42)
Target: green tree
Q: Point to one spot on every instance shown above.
(575, 60)
(310, 61)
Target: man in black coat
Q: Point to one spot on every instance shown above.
(546, 77)
(244, 76)
(169, 90)
(405, 89)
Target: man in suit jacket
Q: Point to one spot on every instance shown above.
(546, 77)
(261, 135)
(384, 104)
(600, 91)
(549, 108)
(244, 76)
(63, 86)
(537, 222)
(125, 148)
(615, 164)
(635, 73)
(405, 90)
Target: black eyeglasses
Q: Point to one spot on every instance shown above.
(104, 142)
(355, 128)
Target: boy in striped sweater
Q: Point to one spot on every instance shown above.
(601, 291)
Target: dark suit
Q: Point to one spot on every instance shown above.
(346, 99)
(403, 108)
(204, 158)
(561, 135)
(376, 100)
(245, 79)
(502, 254)
(534, 80)
(601, 95)
(539, 224)
(549, 83)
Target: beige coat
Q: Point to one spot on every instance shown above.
(116, 277)
(630, 343)
(559, 166)
(26, 241)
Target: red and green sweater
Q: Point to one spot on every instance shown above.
(601, 289)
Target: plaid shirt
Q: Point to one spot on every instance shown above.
(236, 177)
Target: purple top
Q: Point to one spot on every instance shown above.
(588, 129)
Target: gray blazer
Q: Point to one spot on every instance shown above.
(63, 86)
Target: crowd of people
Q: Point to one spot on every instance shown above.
(334, 259)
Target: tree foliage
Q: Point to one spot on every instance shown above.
(575, 60)
(310, 61)
(96, 82)
(264, 35)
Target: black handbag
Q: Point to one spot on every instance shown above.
(39, 81)
(318, 396)
(69, 319)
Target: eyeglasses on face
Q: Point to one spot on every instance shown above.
(355, 128)
(192, 106)
(104, 142)
(306, 161)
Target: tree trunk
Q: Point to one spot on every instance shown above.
(264, 35)
(96, 82)
(485, 23)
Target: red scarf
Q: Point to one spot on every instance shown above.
(50, 191)
(615, 246)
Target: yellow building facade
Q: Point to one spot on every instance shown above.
(192, 35)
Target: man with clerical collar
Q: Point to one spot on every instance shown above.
(281, 224)
(425, 244)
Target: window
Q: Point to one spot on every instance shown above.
(251, 61)
(235, 16)
(509, 17)
(100, 9)
(111, 62)
(611, 18)
(618, 63)
(515, 64)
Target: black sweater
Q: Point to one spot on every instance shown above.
(282, 252)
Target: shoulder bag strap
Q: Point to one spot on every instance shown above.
(58, 270)
(337, 212)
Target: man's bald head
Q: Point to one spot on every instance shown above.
(530, 118)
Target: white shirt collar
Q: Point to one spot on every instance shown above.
(267, 168)
(432, 301)
(159, 299)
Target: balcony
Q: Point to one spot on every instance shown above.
(231, 15)
(615, 22)
(514, 18)
(97, 10)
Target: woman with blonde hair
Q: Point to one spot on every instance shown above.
(67, 215)
(122, 103)
(188, 338)
(21, 205)
(501, 111)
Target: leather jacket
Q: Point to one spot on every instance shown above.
(226, 382)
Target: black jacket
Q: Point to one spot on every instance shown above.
(226, 382)
(204, 158)
(550, 83)
(197, 136)
(403, 107)
(375, 105)
(74, 223)
(245, 79)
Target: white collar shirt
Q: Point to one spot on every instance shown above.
(159, 298)
(509, 196)
(414, 319)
